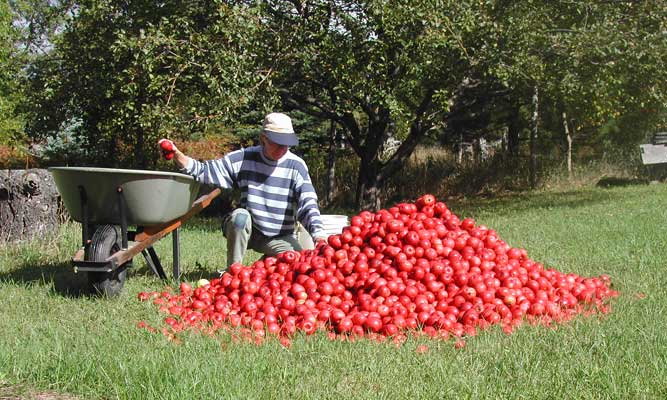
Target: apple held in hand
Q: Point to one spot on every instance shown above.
(168, 148)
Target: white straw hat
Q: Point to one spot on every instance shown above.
(278, 128)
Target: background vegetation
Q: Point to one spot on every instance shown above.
(524, 115)
(544, 83)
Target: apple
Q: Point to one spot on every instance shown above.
(167, 147)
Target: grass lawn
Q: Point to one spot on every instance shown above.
(55, 338)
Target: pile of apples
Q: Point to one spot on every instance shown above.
(415, 267)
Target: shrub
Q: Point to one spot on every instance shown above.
(67, 145)
(16, 157)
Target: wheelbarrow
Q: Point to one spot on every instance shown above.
(108, 201)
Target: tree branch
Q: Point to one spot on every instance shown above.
(316, 108)
(418, 129)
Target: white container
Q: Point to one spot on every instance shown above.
(332, 224)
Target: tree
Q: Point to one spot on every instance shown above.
(376, 69)
(135, 70)
(132, 70)
(592, 62)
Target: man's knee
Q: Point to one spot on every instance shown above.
(239, 220)
(281, 244)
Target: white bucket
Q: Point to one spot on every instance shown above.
(332, 224)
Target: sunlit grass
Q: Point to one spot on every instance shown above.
(55, 337)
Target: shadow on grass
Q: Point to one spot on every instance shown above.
(191, 275)
(63, 281)
(516, 202)
(60, 275)
(609, 182)
(59, 278)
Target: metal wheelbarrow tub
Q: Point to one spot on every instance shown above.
(151, 197)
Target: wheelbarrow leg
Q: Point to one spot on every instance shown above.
(153, 262)
(149, 262)
(177, 254)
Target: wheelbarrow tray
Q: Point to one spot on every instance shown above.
(150, 197)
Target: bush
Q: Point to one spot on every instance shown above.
(209, 148)
(16, 157)
(64, 148)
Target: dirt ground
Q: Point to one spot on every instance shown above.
(24, 393)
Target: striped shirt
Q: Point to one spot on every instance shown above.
(276, 193)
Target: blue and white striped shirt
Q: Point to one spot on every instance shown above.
(276, 193)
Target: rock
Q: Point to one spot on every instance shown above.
(29, 205)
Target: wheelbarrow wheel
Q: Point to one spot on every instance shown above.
(106, 241)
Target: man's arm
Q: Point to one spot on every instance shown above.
(308, 211)
(218, 172)
(181, 159)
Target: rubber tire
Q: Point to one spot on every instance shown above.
(106, 241)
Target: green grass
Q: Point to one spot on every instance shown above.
(56, 338)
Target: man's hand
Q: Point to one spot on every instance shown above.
(170, 151)
(168, 148)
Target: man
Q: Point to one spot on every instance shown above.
(276, 191)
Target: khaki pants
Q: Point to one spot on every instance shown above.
(237, 228)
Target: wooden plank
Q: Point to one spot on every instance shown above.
(123, 256)
(152, 234)
(78, 256)
(154, 230)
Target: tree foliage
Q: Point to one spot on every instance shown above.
(132, 71)
(597, 60)
(11, 121)
(377, 69)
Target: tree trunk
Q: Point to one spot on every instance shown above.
(140, 140)
(368, 186)
(112, 153)
(513, 131)
(568, 136)
(533, 137)
(29, 204)
(370, 167)
(369, 151)
(375, 172)
(331, 165)
(137, 133)
(139, 152)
